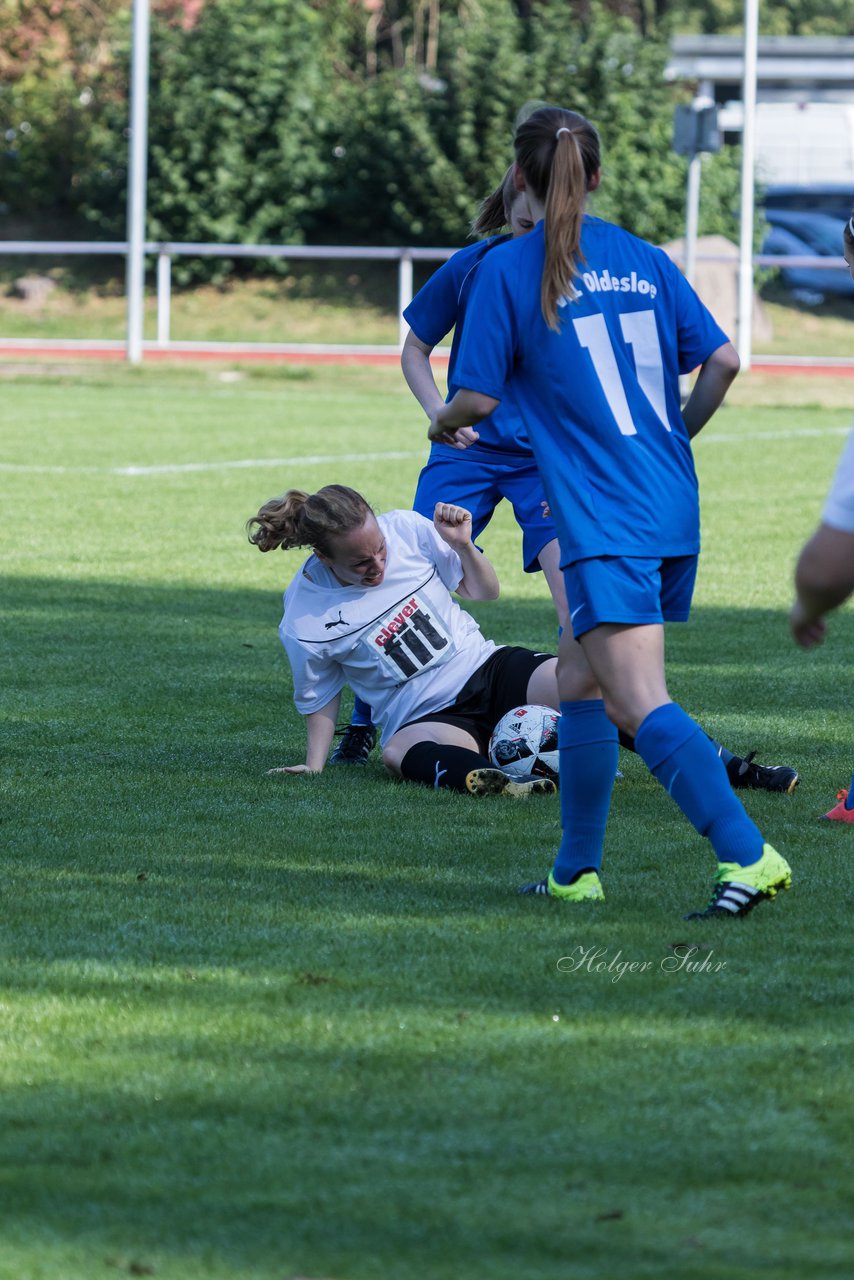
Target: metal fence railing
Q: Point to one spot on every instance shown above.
(164, 253)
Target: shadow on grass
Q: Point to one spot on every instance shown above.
(316, 1014)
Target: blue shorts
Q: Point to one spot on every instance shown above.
(629, 590)
(477, 479)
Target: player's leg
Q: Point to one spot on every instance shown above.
(549, 561)
(587, 745)
(522, 487)
(627, 658)
(443, 755)
(744, 772)
(629, 663)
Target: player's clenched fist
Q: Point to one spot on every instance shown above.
(453, 524)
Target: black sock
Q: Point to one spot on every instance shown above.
(438, 765)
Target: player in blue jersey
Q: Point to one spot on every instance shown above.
(594, 327)
(499, 464)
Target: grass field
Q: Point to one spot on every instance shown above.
(303, 1027)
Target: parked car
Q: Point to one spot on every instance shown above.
(834, 199)
(802, 235)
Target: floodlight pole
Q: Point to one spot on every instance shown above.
(692, 215)
(748, 159)
(135, 269)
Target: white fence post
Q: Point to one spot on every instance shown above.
(164, 298)
(404, 293)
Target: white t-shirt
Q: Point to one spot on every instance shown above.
(839, 507)
(405, 647)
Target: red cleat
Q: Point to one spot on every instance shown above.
(839, 813)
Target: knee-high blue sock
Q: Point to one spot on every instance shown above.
(361, 712)
(685, 762)
(849, 799)
(587, 741)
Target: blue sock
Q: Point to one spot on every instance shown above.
(849, 799)
(682, 758)
(361, 712)
(587, 741)
(725, 755)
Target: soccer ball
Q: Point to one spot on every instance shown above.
(525, 741)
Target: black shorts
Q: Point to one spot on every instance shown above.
(497, 686)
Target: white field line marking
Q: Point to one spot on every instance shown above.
(322, 459)
(310, 460)
(796, 433)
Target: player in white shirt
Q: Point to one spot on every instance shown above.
(372, 608)
(824, 578)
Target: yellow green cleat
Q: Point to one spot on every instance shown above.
(587, 888)
(739, 889)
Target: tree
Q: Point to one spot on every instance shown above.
(415, 151)
(50, 56)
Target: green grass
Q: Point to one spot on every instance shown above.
(340, 302)
(303, 1027)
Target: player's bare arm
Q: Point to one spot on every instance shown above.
(713, 381)
(418, 372)
(824, 579)
(453, 423)
(320, 730)
(479, 580)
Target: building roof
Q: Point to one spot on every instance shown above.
(793, 67)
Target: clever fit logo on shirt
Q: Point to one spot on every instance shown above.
(606, 282)
(409, 639)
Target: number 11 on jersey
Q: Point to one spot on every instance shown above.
(641, 334)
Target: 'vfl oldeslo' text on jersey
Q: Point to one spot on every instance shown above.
(404, 646)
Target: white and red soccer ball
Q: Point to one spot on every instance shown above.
(525, 742)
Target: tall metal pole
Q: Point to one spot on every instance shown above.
(748, 159)
(692, 215)
(135, 273)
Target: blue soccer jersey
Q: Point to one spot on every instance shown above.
(600, 398)
(440, 306)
